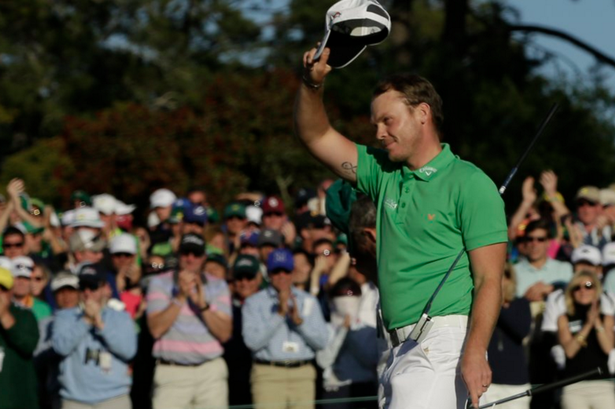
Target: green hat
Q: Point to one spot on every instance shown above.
(212, 215)
(31, 229)
(340, 197)
(247, 265)
(80, 195)
(235, 209)
(217, 258)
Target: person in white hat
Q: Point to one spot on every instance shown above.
(22, 290)
(426, 197)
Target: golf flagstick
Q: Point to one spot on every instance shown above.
(542, 388)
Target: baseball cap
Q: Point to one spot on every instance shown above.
(82, 240)
(280, 259)
(192, 243)
(273, 204)
(608, 254)
(246, 266)
(350, 26)
(105, 203)
(68, 217)
(64, 279)
(254, 214)
(270, 237)
(6, 263)
(123, 209)
(590, 193)
(217, 258)
(588, 254)
(6, 278)
(22, 266)
(303, 196)
(123, 243)
(235, 209)
(607, 197)
(87, 217)
(195, 214)
(91, 277)
(162, 198)
(81, 196)
(249, 238)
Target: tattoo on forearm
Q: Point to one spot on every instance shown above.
(349, 168)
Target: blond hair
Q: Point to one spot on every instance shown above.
(577, 279)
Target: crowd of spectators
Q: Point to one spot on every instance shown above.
(263, 304)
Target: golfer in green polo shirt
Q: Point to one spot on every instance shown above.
(430, 206)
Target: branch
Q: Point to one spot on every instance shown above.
(567, 37)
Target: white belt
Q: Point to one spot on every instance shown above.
(399, 335)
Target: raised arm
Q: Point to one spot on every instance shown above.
(312, 124)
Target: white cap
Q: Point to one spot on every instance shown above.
(104, 203)
(162, 198)
(608, 254)
(87, 217)
(350, 26)
(22, 266)
(54, 220)
(6, 263)
(123, 243)
(587, 253)
(64, 279)
(122, 208)
(254, 214)
(82, 240)
(68, 217)
(607, 197)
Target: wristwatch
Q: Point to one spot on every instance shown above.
(205, 308)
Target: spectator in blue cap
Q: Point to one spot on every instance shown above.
(194, 220)
(283, 327)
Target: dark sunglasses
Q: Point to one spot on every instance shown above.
(587, 285)
(279, 214)
(581, 203)
(241, 277)
(122, 255)
(530, 239)
(37, 278)
(11, 245)
(200, 224)
(3, 288)
(194, 253)
(278, 271)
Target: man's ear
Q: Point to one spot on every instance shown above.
(424, 112)
(370, 233)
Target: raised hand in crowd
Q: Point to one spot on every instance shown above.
(320, 265)
(283, 297)
(186, 282)
(529, 195)
(289, 232)
(548, 180)
(92, 311)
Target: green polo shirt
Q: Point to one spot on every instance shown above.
(424, 218)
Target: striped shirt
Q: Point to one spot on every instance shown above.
(272, 337)
(188, 341)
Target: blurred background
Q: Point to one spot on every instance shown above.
(127, 96)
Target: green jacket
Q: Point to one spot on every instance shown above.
(18, 388)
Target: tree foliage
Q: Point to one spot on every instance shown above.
(126, 96)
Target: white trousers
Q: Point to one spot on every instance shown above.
(426, 375)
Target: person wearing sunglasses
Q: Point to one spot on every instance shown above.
(18, 339)
(96, 343)
(13, 243)
(189, 316)
(589, 210)
(283, 327)
(587, 336)
(22, 270)
(537, 274)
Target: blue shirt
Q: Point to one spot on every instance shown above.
(94, 367)
(272, 337)
(551, 272)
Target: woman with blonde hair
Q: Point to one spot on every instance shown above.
(506, 351)
(587, 337)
